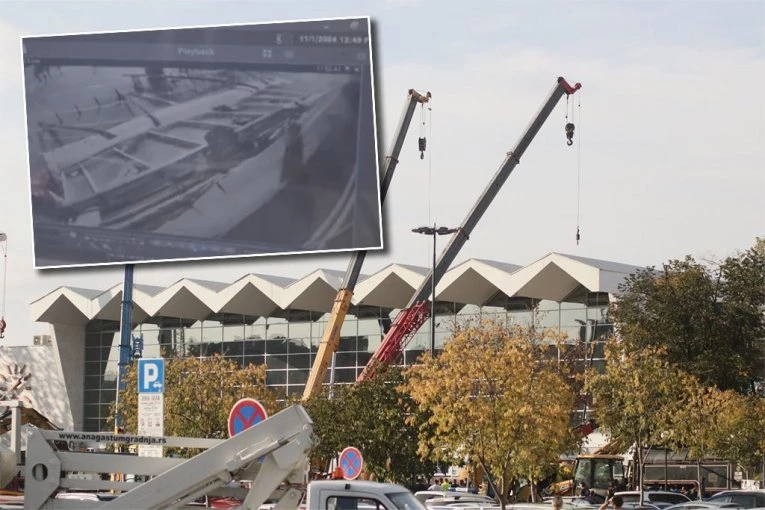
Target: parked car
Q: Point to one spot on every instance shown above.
(429, 497)
(660, 499)
(703, 505)
(744, 499)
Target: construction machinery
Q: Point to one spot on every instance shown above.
(409, 320)
(331, 339)
(268, 462)
(601, 472)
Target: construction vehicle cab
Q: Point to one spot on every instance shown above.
(599, 473)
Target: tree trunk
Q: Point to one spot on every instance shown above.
(498, 494)
(640, 472)
(501, 492)
(533, 489)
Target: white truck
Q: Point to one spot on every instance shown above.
(358, 495)
(272, 455)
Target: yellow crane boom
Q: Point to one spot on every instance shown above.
(331, 338)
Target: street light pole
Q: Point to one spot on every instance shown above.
(434, 231)
(433, 301)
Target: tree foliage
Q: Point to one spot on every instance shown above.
(638, 395)
(495, 395)
(742, 430)
(388, 426)
(199, 394)
(723, 424)
(378, 419)
(331, 420)
(709, 318)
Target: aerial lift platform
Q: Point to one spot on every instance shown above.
(272, 456)
(268, 453)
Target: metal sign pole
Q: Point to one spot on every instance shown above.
(125, 328)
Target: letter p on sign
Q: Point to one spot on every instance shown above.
(151, 375)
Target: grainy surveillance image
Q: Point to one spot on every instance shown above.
(202, 142)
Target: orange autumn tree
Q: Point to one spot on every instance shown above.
(494, 396)
(198, 395)
(638, 396)
(724, 423)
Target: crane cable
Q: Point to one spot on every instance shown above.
(430, 162)
(422, 146)
(4, 242)
(578, 166)
(427, 118)
(570, 135)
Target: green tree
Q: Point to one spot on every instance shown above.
(332, 423)
(388, 423)
(198, 396)
(375, 417)
(494, 395)
(708, 317)
(637, 396)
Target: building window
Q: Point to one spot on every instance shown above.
(288, 347)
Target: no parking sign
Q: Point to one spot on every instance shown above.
(351, 463)
(245, 413)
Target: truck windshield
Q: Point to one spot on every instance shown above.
(405, 501)
(583, 472)
(599, 473)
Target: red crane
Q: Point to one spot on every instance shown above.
(409, 320)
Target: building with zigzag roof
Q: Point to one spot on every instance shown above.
(280, 321)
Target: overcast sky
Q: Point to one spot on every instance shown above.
(671, 129)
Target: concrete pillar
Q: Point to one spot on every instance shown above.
(69, 341)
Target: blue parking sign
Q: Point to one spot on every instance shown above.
(151, 375)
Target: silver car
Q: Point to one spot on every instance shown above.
(702, 505)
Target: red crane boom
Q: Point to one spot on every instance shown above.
(409, 320)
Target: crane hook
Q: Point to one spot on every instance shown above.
(422, 143)
(570, 134)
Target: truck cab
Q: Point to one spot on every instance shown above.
(359, 495)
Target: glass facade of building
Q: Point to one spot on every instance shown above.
(287, 344)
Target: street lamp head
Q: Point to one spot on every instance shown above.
(433, 231)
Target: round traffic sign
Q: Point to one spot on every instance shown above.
(245, 413)
(351, 463)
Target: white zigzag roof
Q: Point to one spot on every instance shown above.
(555, 277)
